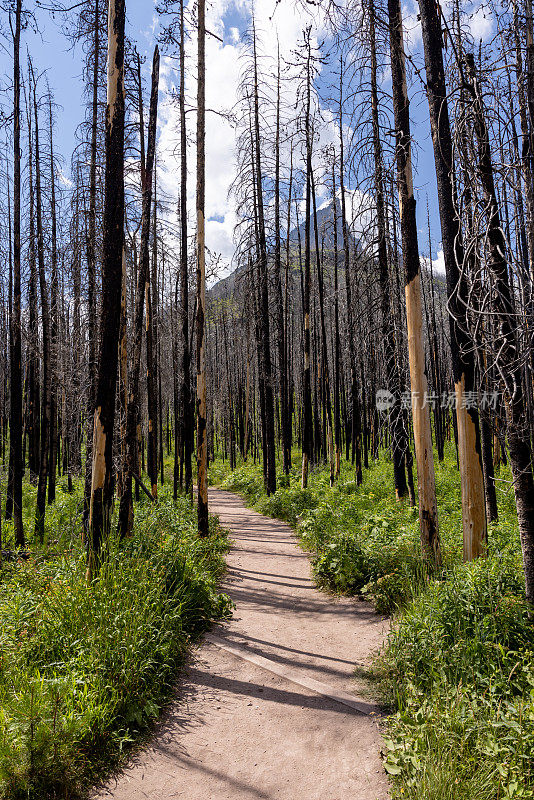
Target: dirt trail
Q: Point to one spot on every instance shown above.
(246, 724)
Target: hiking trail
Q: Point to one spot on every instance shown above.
(268, 707)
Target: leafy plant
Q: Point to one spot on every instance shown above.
(83, 667)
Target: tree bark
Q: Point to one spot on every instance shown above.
(91, 270)
(151, 375)
(113, 241)
(126, 514)
(398, 435)
(506, 339)
(462, 355)
(428, 512)
(187, 428)
(307, 433)
(266, 365)
(54, 329)
(202, 439)
(15, 419)
(354, 391)
(40, 506)
(33, 411)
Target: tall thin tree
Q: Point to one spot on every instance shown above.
(15, 421)
(428, 511)
(113, 236)
(462, 352)
(202, 433)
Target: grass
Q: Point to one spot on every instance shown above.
(458, 668)
(84, 668)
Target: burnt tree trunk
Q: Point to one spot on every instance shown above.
(307, 432)
(266, 366)
(396, 422)
(40, 506)
(186, 423)
(15, 413)
(132, 414)
(54, 330)
(91, 272)
(462, 355)
(202, 437)
(113, 240)
(428, 512)
(506, 339)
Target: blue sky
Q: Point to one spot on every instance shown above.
(228, 19)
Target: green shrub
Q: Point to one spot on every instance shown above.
(343, 565)
(459, 666)
(82, 667)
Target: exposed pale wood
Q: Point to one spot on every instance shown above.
(428, 512)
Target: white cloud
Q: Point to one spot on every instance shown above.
(438, 264)
(481, 23)
(222, 77)
(412, 26)
(223, 74)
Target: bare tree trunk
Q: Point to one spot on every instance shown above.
(289, 415)
(398, 435)
(307, 433)
(428, 512)
(337, 344)
(506, 342)
(91, 271)
(40, 506)
(123, 378)
(355, 413)
(15, 421)
(113, 240)
(151, 378)
(270, 454)
(202, 439)
(54, 329)
(492, 512)
(9, 493)
(463, 364)
(187, 407)
(328, 430)
(133, 404)
(76, 351)
(33, 393)
(281, 332)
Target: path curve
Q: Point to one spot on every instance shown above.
(246, 725)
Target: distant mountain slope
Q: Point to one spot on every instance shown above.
(325, 227)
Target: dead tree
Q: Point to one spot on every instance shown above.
(202, 437)
(428, 512)
(113, 236)
(147, 166)
(463, 361)
(15, 416)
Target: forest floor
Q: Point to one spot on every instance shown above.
(255, 716)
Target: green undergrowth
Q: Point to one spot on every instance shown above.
(85, 668)
(458, 668)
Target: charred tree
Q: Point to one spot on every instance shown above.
(113, 238)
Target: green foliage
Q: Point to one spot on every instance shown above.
(459, 665)
(83, 667)
(458, 668)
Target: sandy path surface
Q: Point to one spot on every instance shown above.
(241, 731)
